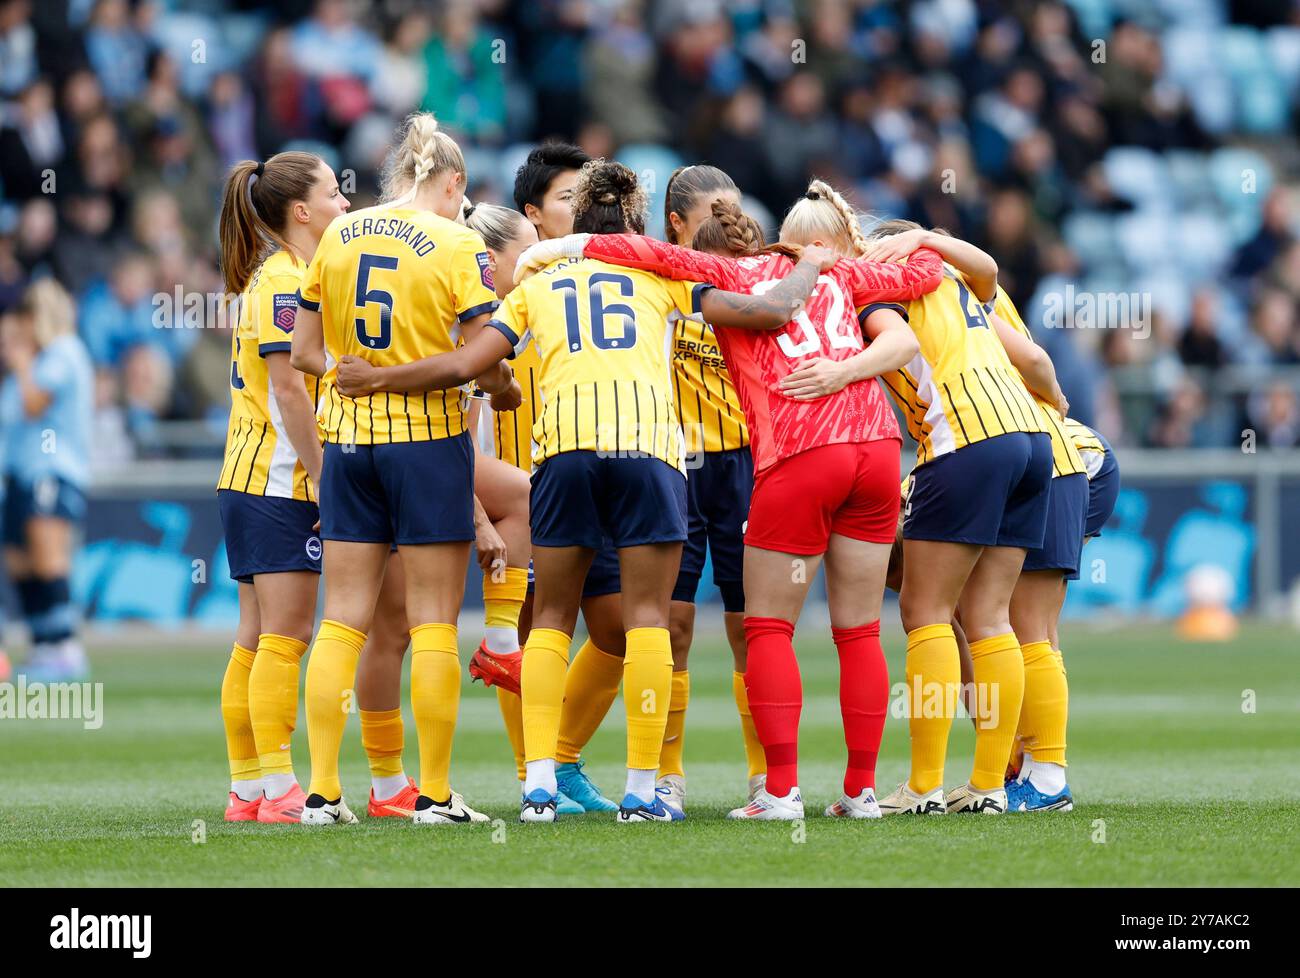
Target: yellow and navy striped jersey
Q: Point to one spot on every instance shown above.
(1065, 457)
(392, 284)
(961, 388)
(259, 456)
(602, 337)
(1091, 449)
(510, 433)
(703, 395)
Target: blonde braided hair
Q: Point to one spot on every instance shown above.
(823, 213)
(424, 151)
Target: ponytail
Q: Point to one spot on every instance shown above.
(255, 209)
(823, 213)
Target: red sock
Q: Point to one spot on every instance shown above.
(775, 698)
(864, 698)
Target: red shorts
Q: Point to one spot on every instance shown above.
(849, 489)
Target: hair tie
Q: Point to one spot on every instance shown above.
(469, 211)
(812, 195)
(261, 168)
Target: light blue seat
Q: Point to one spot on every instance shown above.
(653, 165)
(1137, 174)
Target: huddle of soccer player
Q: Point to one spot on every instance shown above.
(590, 411)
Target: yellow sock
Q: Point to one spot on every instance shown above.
(435, 701)
(331, 674)
(382, 737)
(273, 700)
(512, 713)
(502, 599)
(546, 660)
(241, 749)
(999, 673)
(670, 755)
(754, 756)
(1046, 709)
(933, 680)
(589, 691)
(647, 694)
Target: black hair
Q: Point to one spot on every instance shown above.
(608, 200)
(534, 177)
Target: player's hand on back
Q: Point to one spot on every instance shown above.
(897, 246)
(508, 400)
(356, 376)
(822, 256)
(816, 378)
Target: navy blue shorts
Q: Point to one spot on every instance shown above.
(268, 534)
(581, 499)
(603, 575)
(1067, 506)
(1103, 490)
(717, 506)
(992, 493)
(406, 493)
(47, 496)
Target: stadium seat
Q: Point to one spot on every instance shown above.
(1283, 45)
(653, 165)
(1138, 175)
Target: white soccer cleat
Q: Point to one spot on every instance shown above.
(326, 813)
(862, 806)
(756, 784)
(969, 799)
(671, 789)
(767, 807)
(904, 801)
(452, 812)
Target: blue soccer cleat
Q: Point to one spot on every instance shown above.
(633, 809)
(579, 789)
(564, 805)
(1022, 796)
(538, 806)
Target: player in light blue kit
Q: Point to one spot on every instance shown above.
(45, 417)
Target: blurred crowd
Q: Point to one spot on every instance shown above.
(1140, 148)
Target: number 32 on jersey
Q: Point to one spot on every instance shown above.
(809, 340)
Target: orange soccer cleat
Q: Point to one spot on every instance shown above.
(285, 810)
(238, 810)
(497, 668)
(401, 805)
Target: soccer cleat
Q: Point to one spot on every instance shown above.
(497, 668)
(453, 811)
(317, 811)
(238, 810)
(756, 784)
(904, 801)
(633, 809)
(401, 805)
(767, 807)
(861, 806)
(285, 810)
(579, 788)
(1022, 796)
(564, 805)
(970, 799)
(671, 789)
(538, 806)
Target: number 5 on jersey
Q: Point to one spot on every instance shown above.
(381, 297)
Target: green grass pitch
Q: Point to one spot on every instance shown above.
(1176, 785)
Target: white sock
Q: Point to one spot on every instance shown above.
(501, 640)
(642, 783)
(1047, 777)
(1026, 767)
(389, 786)
(277, 785)
(540, 774)
(247, 790)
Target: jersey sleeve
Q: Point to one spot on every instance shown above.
(472, 288)
(687, 296)
(511, 321)
(669, 260)
(309, 287)
(54, 372)
(887, 281)
(277, 309)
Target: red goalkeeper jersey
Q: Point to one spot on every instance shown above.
(826, 327)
